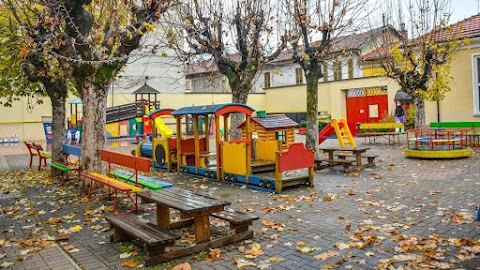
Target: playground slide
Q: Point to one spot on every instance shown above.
(327, 131)
(162, 128)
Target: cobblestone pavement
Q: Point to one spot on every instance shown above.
(396, 214)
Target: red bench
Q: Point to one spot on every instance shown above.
(37, 150)
(113, 183)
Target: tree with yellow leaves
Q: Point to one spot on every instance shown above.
(419, 58)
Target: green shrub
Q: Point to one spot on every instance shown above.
(303, 123)
(410, 117)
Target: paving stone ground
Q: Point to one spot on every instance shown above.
(400, 204)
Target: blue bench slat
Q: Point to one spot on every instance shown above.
(72, 150)
(148, 179)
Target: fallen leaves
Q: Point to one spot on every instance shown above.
(130, 264)
(243, 263)
(272, 224)
(75, 228)
(214, 254)
(461, 217)
(326, 255)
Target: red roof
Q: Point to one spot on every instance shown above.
(468, 28)
(273, 121)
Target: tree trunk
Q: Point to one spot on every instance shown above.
(93, 137)
(238, 96)
(419, 104)
(58, 130)
(312, 111)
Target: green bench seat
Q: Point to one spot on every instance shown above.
(144, 181)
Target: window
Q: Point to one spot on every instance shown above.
(325, 72)
(350, 68)
(281, 135)
(476, 85)
(337, 71)
(266, 80)
(298, 76)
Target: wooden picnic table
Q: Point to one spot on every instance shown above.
(190, 205)
(194, 209)
(357, 151)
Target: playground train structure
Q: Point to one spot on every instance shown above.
(266, 158)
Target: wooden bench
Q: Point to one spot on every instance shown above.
(370, 157)
(37, 150)
(128, 226)
(325, 163)
(239, 221)
(144, 181)
(70, 164)
(373, 131)
(128, 161)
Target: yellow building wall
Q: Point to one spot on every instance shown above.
(26, 124)
(458, 104)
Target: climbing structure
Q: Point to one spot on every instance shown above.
(343, 133)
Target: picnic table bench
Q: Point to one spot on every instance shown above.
(374, 131)
(325, 163)
(370, 157)
(127, 226)
(70, 164)
(239, 221)
(128, 161)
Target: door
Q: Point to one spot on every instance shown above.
(366, 105)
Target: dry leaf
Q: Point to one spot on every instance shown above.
(275, 259)
(242, 263)
(130, 263)
(182, 266)
(6, 264)
(324, 256)
(125, 255)
(75, 228)
(342, 246)
(214, 254)
(305, 249)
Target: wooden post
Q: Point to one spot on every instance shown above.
(197, 142)
(225, 128)
(179, 142)
(207, 134)
(218, 148)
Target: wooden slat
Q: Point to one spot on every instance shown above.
(107, 183)
(137, 163)
(117, 182)
(197, 248)
(59, 166)
(183, 200)
(142, 229)
(234, 216)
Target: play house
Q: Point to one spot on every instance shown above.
(272, 127)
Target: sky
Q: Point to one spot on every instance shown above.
(463, 9)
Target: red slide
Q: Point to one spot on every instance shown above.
(327, 131)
